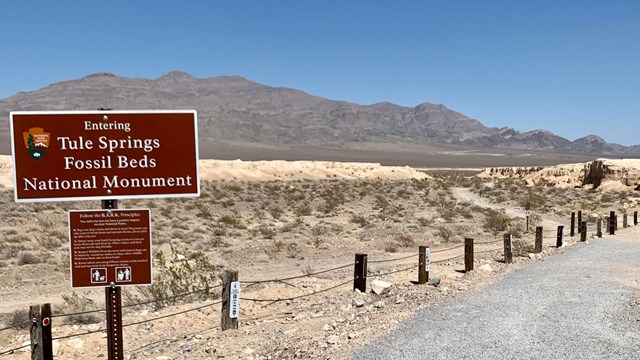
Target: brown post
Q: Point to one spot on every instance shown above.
(612, 219)
(559, 238)
(579, 220)
(538, 246)
(635, 218)
(468, 254)
(360, 273)
(113, 301)
(36, 333)
(599, 228)
(508, 248)
(583, 234)
(624, 221)
(423, 273)
(573, 223)
(227, 321)
(615, 222)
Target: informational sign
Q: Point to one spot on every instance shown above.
(527, 213)
(427, 259)
(234, 308)
(110, 246)
(85, 155)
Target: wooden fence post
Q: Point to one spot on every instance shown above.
(423, 272)
(635, 218)
(538, 246)
(612, 219)
(615, 222)
(468, 254)
(41, 344)
(573, 223)
(583, 234)
(227, 320)
(360, 273)
(508, 249)
(599, 228)
(559, 238)
(624, 221)
(579, 220)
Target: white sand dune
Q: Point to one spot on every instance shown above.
(273, 170)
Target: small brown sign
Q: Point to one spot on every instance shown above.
(83, 155)
(527, 205)
(110, 246)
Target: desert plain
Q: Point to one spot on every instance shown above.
(281, 224)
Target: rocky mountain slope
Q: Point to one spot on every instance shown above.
(232, 108)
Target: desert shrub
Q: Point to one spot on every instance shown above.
(195, 276)
(303, 209)
(10, 251)
(276, 211)
(75, 303)
(448, 213)
(522, 247)
(293, 250)
(358, 219)
(496, 221)
(405, 240)
(403, 194)
(267, 232)
(318, 230)
(20, 319)
(445, 233)
(48, 242)
(27, 257)
(423, 221)
(234, 221)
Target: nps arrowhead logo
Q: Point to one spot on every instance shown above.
(37, 141)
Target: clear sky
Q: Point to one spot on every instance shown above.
(571, 67)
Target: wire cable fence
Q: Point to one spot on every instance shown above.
(269, 301)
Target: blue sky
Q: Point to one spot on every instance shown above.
(571, 67)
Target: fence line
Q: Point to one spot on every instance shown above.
(525, 237)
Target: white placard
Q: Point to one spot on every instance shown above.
(427, 259)
(234, 305)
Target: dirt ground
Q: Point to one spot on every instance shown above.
(295, 221)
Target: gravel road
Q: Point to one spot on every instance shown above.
(582, 304)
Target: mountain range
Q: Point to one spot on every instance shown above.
(234, 109)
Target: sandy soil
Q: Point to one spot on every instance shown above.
(385, 212)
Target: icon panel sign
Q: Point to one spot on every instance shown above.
(110, 247)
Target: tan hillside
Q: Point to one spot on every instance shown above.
(601, 174)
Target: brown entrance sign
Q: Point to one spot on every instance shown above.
(110, 246)
(87, 155)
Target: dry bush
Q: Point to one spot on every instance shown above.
(234, 221)
(293, 250)
(445, 233)
(358, 219)
(48, 242)
(20, 320)
(405, 240)
(80, 303)
(521, 247)
(28, 258)
(303, 209)
(496, 221)
(267, 232)
(195, 276)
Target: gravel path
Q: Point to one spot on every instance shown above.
(582, 304)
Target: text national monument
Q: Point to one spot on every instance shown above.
(102, 155)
